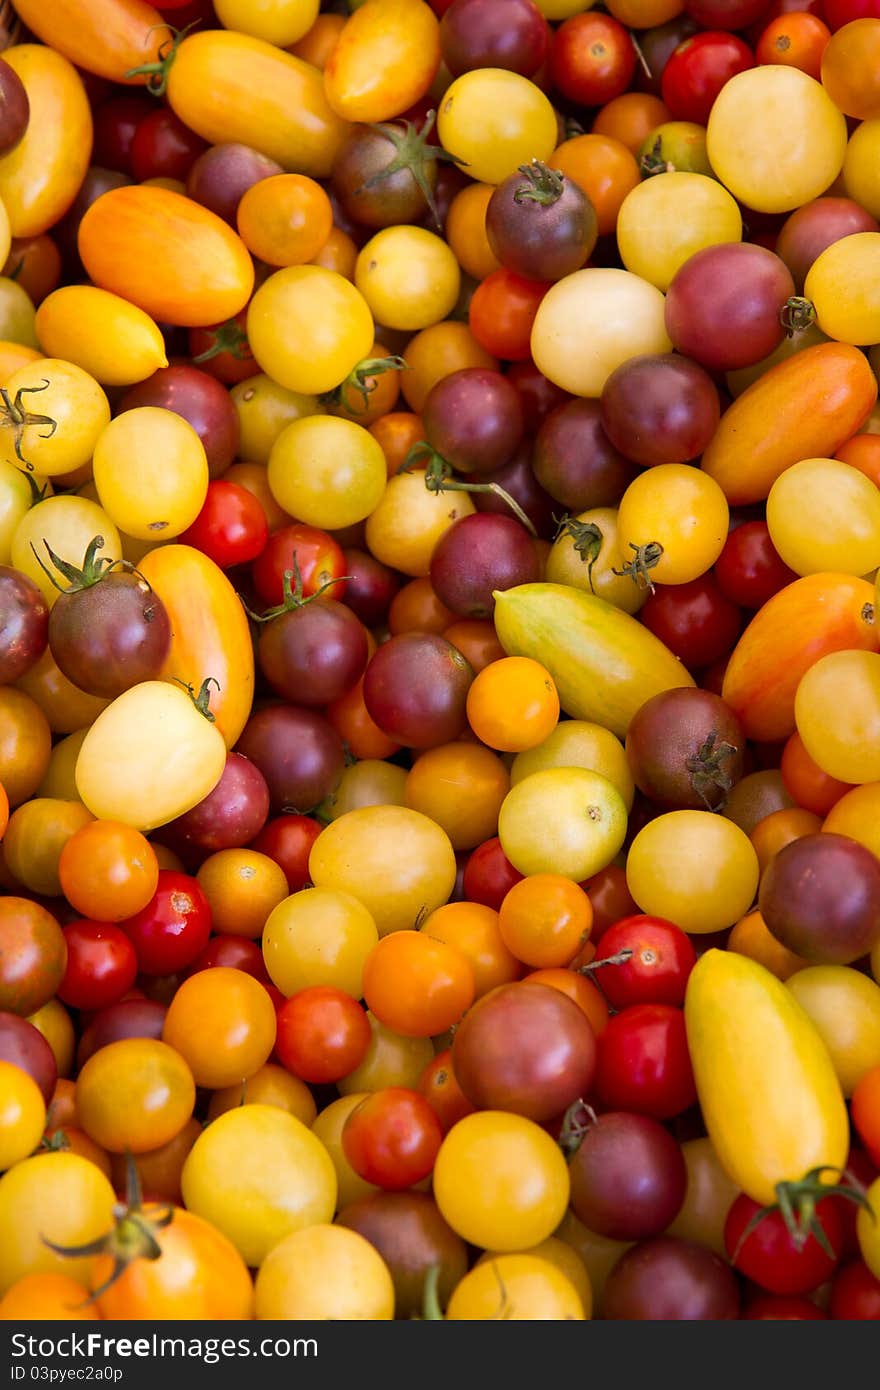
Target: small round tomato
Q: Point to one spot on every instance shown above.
(327, 471)
(513, 704)
(697, 70)
(417, 985)
(795, 40)
(319, 936)
(472, 929)
(101, 965)
(502, 310)
(173, 928)
(656, 970)
(285, 219)
(22, 1115)
(392, 1138)
(323, 1034)
(545, 919)
(749, 569)
(855, 1294)
(489, 874)
(151, 473)
(772, 1256)
(316, 554)
(441, 1090)
(33, 956)
(231, 528)
(309, 327)
(493, 120)
(134, 1094)
(644, 1064)
(221, 1022)
(108, 871)
(592, 59)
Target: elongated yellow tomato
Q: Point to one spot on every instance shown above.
(150, 756)
(232, 87)
(775, 138)
(771, 1100)
(171, 257)
(151, 472)
(802, 408)
(605, 663)
(308, 327)
(666, 219)
(40, 177)
(107, 37)
(111, 339)
(385, 59)
(592, 321)
(209, 632)
(843, 284)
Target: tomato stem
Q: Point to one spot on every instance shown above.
(439, 478)
(796, 314)
(362, 378)
(644, 559)
(202, 699)
(228, 337)
(544, 185)
(586, 538)
(292, 589)
(431, 1310)
(157, 73)
(412, 153)
(796, 1202)
(18, 418)
(577, 1120)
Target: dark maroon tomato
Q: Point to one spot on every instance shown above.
(231, 529)
(592, 59)
(773, 1308)
(644, 1064)
(386, 175)
(478, 555)
(222, 350)
(820, 896)
(24, 624)
(110, 634)
(288, 841)
(392, 1138)
(726, 14)
(540, 224)
(774, 1258)
(489, 875)
(97, 181)
(116, 121)
(659, 408)
(101, 965)
(201, 400)
(686, 750)
(163, 147)
(369, 587)
(15, 109)
(724, 306)
(413, 1238)
(810, 229)
(610, 900)
(24, 1046)
(316, 554)
(661, 957)
(670, 1280)
(32, 954)
(130, 1018)
(628, 1177)
(298, 752)
(173, 928)
(221, 175)
(473, 418)
(516, 481)
(750, 569)
(836, 13)
(234, 953)
(697, 70)
(230, 815)
(526, 1048)
(657, 45)
(509, 34)
(696, 620)
(537, 395)
(575, 460)
(415, 689)
(861, 1167)
(855, 1294)
(313, 652)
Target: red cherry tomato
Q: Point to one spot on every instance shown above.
(163, 147)
(696, 621)
(643, 1062)
(288, 840)
(439, 1085)
(318, 556)
(323, 1034)
(657, 970)
(392, 1138)
(750, 569)
(231, 529)
(116, 121)
(489, 875)
(855, 1294)
(697, 70)
(234, 952)
(223, 350)
(501, 313)
(769, 1254)
(770, 1308)
(610, 900)
(170, 932)
(101, 965)
(592, 59)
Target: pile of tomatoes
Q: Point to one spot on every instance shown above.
(440, 659)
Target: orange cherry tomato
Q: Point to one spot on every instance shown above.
(604, 168)
(630, 118)
(513, 704)
(579, 990)
(545, 919)
(417, 986)
(865, 1109)
(862, 452)
(108, 871)
(385, 59)
(35, 264)
(397, 432)
(356, 727)
(159, 1169)
(106, 37)
(466, 230)
(436, 352)
(70, 1139)
(806, 782)
(242, 887)
(752, 937)
(774, 832)
(285, 219)
(416, 608)
(316, 46)
(472, 928)
(502, 311)
(338, 253)
(370, 397)
(477, 641)
(796, 40)
(439, 1086)
(170, 256)
(222, 1024)
(47, 1298)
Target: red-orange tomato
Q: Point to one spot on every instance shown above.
(386, 59)
(170, 256)
(796, 40)
(862, 452)
(417, 986)
(806, 620)
(107, 37)
(209, 632)
(439, 1085)
(579, 989)
(804, 779)
(804, 407)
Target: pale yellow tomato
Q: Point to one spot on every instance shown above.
(837, 712)
(409, 519)
(775, 138)
(578, 743)
(17, 314)
(590, 322)
(843, 285)
(324, 1272)
(327, 472)
(150, 755)
(693, 868)
(114, 341)
(408, 276)
(319, 936)
(264, 409)
(666, 219)
(151, 472)
(825, 515)
(370, 782)
(66, 525)
(16, 498)
(598, 1253)
(582, 819)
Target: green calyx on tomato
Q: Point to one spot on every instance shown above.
(93, 569)
(293, 598)
(586, 538)
(439, 477)
(18, 418)
(797, 314)
(362, 379)
(578, 1118)
(643, 560)
(543, 185)
(157, 73)
(228, 337)
(133, 1237)
(412, 153)
(202, 699)
(796, 1202)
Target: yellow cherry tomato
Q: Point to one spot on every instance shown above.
(264, 408)
(319, 936)
(327, 472)
(58, 413)
(111, 339)
(493, 120)
(408, 277)
(58, 1197)
(16, 498)
(515, 1288)
(564, 1258)
(861, 167)
(134, 1095)
(693, 868)
(837, 712)
(66, 525)
(844, 1005)
(151, 472)
(281, 22)
(326, 1272)
(56, 1026)
(22, 1115)
(308, 327)
(579, 743)
(408, 521)
(269, 1085)
(824, 515)
(582, 818)
(677, 511)
(665, 220)
(842, 284)
(328, 1127)
(586, 555)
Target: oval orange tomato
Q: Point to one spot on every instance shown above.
(107, 37)
(384, 61)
